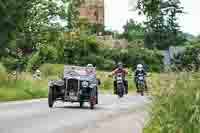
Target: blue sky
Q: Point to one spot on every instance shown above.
(117, 13)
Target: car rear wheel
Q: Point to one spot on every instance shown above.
(50, 98)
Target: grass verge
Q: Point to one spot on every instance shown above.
(176, 104)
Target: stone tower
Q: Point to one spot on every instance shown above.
(94, 11)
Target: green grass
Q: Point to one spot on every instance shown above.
(176, 103)
(21, 89)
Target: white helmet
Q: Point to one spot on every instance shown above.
(139, 67)
(37, 71)
(89, 65)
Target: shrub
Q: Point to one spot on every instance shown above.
(10, 63)
(45, 54)
(2, 68)
(189, 59)
(3, 73)
(51, 69)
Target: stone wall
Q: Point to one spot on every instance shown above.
(109, 41)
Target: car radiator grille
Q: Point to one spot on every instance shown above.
(72, 85)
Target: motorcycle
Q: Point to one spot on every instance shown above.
(120, 85)
(141, 84)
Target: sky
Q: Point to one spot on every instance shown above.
(117, 12)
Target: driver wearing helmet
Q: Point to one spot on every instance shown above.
(120, 69)
(139, 70)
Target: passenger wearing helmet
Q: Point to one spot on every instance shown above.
(37, 75)
(90, 69)
(139, 70)
(120, 69)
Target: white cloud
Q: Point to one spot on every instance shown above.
(116, 14)
(190, 21)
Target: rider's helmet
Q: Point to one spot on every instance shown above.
(120, 65)
(139, 67)
(38, 71)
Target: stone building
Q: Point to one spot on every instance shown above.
(93, 10)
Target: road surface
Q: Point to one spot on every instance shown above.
(112, 115)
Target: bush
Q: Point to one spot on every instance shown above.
(10, 63)
(151, 59)
(51, 69)
(189, 59)
(2, 68)
(45, 54)
(3, 73)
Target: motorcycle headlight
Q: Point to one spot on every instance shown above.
(85, 84)
(141, 78)
(119, 78)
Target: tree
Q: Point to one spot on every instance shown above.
(161, 27)
(22, 22)
(133, 31)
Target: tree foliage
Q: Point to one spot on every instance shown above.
(73, 13)
(133, 31)
(161, 27)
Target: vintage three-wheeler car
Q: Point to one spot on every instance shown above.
(77, 84)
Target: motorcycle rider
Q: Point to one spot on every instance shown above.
(120, 69)
(140, 70)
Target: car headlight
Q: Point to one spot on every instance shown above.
(85, 84)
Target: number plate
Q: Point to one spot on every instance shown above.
(119, 81)
(74, 98)
(71, 94)
(119, 78)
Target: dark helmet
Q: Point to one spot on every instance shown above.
(120, 65)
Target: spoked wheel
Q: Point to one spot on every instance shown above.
(120, 94)
(142, 93)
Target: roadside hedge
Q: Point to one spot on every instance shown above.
(189, 59)
(84, 50)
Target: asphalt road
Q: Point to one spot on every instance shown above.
(111, 115)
